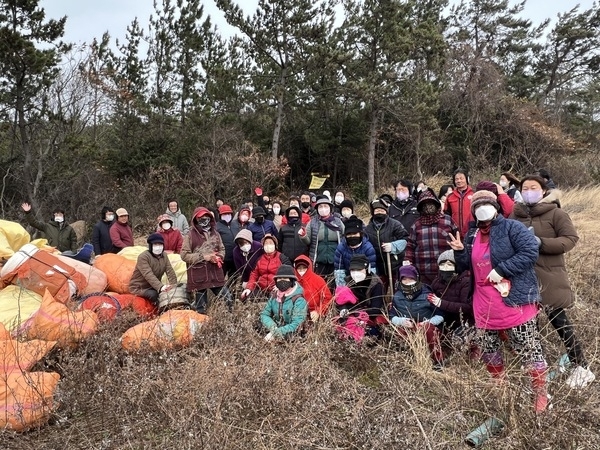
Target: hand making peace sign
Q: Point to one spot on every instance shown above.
(455, 242)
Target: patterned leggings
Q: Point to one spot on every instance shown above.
(524, 339)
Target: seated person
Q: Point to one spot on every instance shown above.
(151, 265)
(317, 294)
(286, 309)
(355, 242)
(410, 311)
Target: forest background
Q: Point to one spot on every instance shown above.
(392, 89)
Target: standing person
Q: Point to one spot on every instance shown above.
(245, 255)
(506, 203)
(173, 241)
(56, 231)
(242, 219)
(323, 234)
(547, 178)
(203, 251)
(306, 206)
(337, 202)
(150, 267)
(290, 243)
(179, 220)
(354, 243)
(511, 184)
(429, 236)
(121, 233)
(278, 212)
(445, 191)
(404, 207)
(101, 232)
(227, 233)
(317, 294)
(501, 255)
(304, 217)
(556, 235)
(261, 225)
(458, 203)
(346, 209)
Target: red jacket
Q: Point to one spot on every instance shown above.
(173, 239)
(305, 219)
(317, 294)
(121, 235)
(458, 207)
(266, 267)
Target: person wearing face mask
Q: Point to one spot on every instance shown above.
(261, 225)
(404, 205)
(304, 217)
(290, 243)
(306, 204)
(556, 235)
(346, 208)
(429, 236)
(180, 222)
(387, 235)
(338, 198)
(362, 296)
(501, 255)
(354, 243)
(245, 255)
(510, 184)
(504, 201)
(323, 234)
(204, 253)
(227, 231)
(410, 311)
(317, 294)
(286, 310)
(121, 232)
(262, 279)
(58, 233)
(101, 232)
(242, 219)
(277, 213)
(172, 237)
(150, 267)
(458, 203)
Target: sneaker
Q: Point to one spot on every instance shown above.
(580, 377)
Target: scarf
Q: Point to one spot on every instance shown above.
(433, 218)
(411, 291)
(329, 222)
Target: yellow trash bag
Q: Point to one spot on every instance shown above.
(12, 237)
(17, 305)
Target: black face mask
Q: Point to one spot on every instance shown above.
(354, 241)
(379, 218)
(293, 220)
(266, 202)
(259, 219)
(446, 275)
(204, 222)
(283, 285)
(305, 205)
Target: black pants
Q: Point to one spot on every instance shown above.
(559, 320)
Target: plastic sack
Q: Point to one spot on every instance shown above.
(17, 306)
(96, 279)
(105, 306)
(140, 305)
(12, 237)
(18, 356)
(118, 270)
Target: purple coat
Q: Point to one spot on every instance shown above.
(245, 263)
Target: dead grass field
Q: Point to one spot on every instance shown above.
(231, 390)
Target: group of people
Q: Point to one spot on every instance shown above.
(461, 260)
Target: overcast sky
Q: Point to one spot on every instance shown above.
(87, 19)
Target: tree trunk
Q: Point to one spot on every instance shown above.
(279, 119)
(372, 145)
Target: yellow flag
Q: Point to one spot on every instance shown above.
(316, 182)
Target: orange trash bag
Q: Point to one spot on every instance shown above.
(105, 306)
(118, 270)
(173, 329)
(4, 333)
(96, 280)
(26, 399)
(140, 305)
(18, 356)
(56, 322)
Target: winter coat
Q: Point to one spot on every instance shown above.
(286, 317)
(290, 243)
(343, 254)
(456, 303)
(390, 231)
(179, 221)
(148, 272)
(322, 240)
(514, 252)
(262, 276)
(203, 274)
(317, 294)
(405, 212)
(259, 230)
(227, 232)
(458, 206)
(101, 238)
(246, 262)
(369, 294)
(59, 235)
(558, 235)
(121, 235)
(418, 309)
(173, 239)
(506, 204)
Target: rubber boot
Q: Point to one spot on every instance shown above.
(538, 383)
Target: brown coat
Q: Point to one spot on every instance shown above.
(148, 271)
(558, 235)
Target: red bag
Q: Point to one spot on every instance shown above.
(354, 327)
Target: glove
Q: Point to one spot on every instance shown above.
(537, 239)
(436, 320)
(314, 316)
(302, 232)
(258, 190)
(269, 337)
(434, 299)
(494, 276)
(246, 293)
(244, 284)
(386, 247)
(163, 288)
(402, 322)
(344, 313)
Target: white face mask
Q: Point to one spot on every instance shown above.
(339, 199)
(157, 249)
(485, 213)
(166, 226)
(269, 248)
(503, 183)
(346, 212)
(409, 282)
(358, 275)
(59, 219)
(276, 210)
(446, 265)
(324, 210)
(110, 217)
(245, 248)
(244, 218)
(226, 218)
(301, 272)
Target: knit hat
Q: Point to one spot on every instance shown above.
(353, 225)
(487, 186)
(427, 196)
(483, 197)
(358, 262)
(155, 238)
(448, 255)
(409, 271)
(347, 204)
(121, 212)
(378, 204)
(269, 236)
(244, 234)
(258, 211)
(286, 271)
(164, 218)
(225, 209)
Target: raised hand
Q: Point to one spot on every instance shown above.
(455, 242)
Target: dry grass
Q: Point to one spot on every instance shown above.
(231, 390)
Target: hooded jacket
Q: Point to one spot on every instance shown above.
(558, 236)
(290, 243)
(317, 294)
(262, 276)
(343, 255)
(179, 221)
(418, 308)
(203, 274)
(246, 262)
(456, 303)
(259, 230)
(59, 235)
